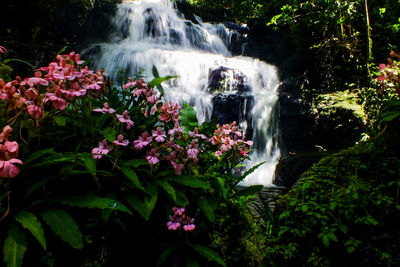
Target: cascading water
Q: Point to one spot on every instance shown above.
(152, 33)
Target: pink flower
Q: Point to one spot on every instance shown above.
(35, 80)
(36, 112)
(104, 110)
(178, 167)
(101, 150)
(382, 67)
(178, 211)
(159, 134)
(173, 226)
(8, 169)
(192, 152)
(152, 157)
(189, 227)
(58, 102)
(143, 141)
(5, 133)
(218, 153)
(3, 50)
(120, 141)
(125, 118)
(195, 133)
(11, 146)
(93, 86)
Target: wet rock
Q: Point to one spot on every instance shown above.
(225, 79)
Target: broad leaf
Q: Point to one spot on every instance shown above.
(109, 134)
(145, 207)
(30, 222)
(223, 188)
(38, 154)
(208, 253)
(93, 202)
(168, 188)
(90, 163)
(165, 254)
(250, 190)
(190, 181)
(60, 121)
(131, 175)
(14, 247)
(206, 208)
(64, 226)
(187, 117)
(134, 163)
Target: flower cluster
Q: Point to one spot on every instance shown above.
(180, 219)
(8, 154)
(166, 140)
(60, 83)
(389, 74)
(228, 138)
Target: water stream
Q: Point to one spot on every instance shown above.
(153, 32)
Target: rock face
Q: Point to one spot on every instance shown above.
(231, 98)
(227, 79)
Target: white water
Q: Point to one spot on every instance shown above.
(151, 32)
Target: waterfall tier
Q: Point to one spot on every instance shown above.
(153, 33)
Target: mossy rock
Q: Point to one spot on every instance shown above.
(339, 120)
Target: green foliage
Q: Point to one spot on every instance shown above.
(14, 247)
(344, 207)
(64, 226)
(187, 117)
(30, 222)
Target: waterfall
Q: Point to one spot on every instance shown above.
(153, 32)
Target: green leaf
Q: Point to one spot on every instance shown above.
(19, 60)
(109, 134)
(206, 208)
(60, 121)
(64, 226)
(38, 154)
(190, 262)
(332, 236)
(190, 181)
(351, 249)
(181, 199)
(389, 116)
(145, 207)
(168, 188)
(30, 222)
(250, 171)
(134, 163)
(131, 175)
(14, 247)
(250, 190)
(187, 117)
(223, 188)
(93, 202)
(165, 254)
(156, 82)
(90, 163)
(208, 253)
(325, 240)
